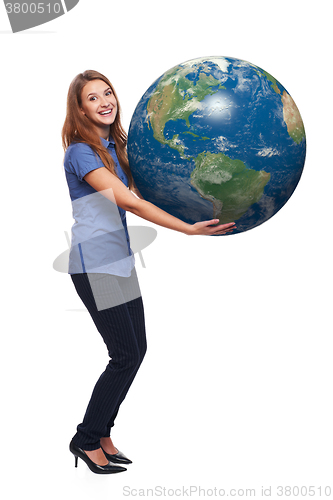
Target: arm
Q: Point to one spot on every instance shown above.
(102, 179)
(137, 192)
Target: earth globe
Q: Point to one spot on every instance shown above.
(217, 137)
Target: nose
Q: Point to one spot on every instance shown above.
(105, 103)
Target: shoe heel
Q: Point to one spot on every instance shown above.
(98, 469)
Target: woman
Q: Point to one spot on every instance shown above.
(101, 262)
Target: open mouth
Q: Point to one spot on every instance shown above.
(103, 113)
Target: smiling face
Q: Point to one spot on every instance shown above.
(99, 105)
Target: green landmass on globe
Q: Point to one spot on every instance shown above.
(219, 132)
(228, 184)
(291, 115)
(176, 98)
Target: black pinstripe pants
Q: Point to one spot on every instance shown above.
(122, 328)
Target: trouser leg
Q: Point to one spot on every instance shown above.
(126, 352)
(136, 312)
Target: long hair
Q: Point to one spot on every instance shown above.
(77, 128)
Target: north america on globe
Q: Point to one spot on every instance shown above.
(217, 137)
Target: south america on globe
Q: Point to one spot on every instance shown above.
(217, 137)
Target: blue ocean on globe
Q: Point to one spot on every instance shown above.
(217, 137)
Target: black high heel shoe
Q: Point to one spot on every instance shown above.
(98, 469)
(117, 458)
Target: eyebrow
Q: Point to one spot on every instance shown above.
(94, 93)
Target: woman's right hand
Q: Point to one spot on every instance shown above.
(207, 228)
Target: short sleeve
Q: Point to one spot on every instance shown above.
(81, 159)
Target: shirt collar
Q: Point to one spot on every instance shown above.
(107, 143)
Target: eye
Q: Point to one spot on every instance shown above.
(92, 98)
(109, 92)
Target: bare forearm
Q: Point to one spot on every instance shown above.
(152, 213)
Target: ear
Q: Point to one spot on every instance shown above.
(82, 112)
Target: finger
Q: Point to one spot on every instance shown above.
(225, 227)
(229, 224)
(225, 230)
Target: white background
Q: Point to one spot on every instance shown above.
(235, 390)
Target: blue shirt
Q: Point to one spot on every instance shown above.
(100, 241)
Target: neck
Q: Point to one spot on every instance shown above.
(104, 132)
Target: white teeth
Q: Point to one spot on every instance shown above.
(106, 112)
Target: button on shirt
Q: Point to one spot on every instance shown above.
(100, 241)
